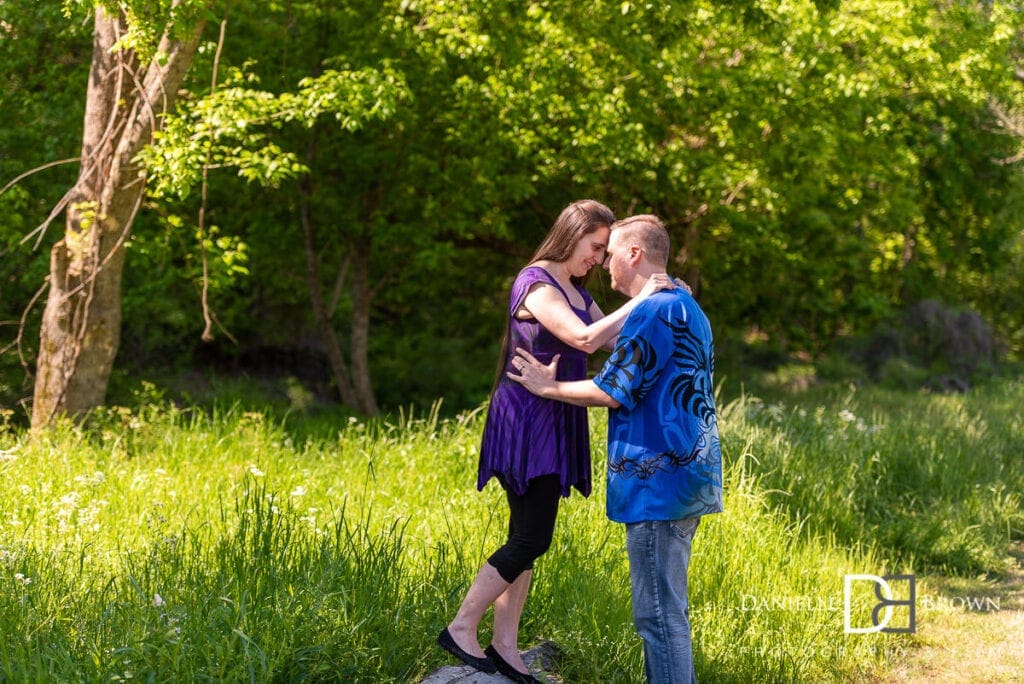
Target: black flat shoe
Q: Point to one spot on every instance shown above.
(509, 671)
(445, 641)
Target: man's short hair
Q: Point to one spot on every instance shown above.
(649, 232)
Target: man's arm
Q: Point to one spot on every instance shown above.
(540, 380)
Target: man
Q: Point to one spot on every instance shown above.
(664, 458)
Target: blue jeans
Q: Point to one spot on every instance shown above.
(659, 556)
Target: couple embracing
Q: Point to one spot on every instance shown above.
(664, 458)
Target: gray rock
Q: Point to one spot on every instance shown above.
(542, 660)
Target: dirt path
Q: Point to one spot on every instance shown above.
(967, 631)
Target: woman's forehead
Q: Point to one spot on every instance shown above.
(595, 237)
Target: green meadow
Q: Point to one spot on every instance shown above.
(161, 543)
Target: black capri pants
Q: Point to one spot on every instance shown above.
(531, 525)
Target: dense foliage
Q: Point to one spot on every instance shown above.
(823, 166)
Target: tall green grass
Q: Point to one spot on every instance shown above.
(936, 480)
(166, 544)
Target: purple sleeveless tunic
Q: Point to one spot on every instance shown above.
(526, 436)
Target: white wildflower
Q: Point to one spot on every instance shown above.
(299, 491)
(94, 479)
(158, 601)
(66, 511)
(20, 577)
(255, 471)
(847, 416)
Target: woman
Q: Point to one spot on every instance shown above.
(538, 449)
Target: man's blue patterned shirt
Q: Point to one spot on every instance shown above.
(664, 455)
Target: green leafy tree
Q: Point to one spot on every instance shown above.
(807, 157)
(141, 52)
(820, 165)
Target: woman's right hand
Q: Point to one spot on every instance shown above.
(534, 375)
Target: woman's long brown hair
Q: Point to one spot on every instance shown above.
(579, 219)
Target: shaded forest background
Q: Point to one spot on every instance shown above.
(350, 187)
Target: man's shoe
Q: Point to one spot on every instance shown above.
(445, 641)
(509, 671)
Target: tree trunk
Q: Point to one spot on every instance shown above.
(342, 378)
(361, 336)
(81, 326)
(685, 255)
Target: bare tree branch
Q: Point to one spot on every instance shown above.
(735, 192)
(207, 334)
(339, 283)
(1011, 121)
(54, 213)
(692, 215)
(21, 329)
(43, 167)
(125, 232)
(1008, 120)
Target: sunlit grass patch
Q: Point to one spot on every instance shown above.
(180, 544)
